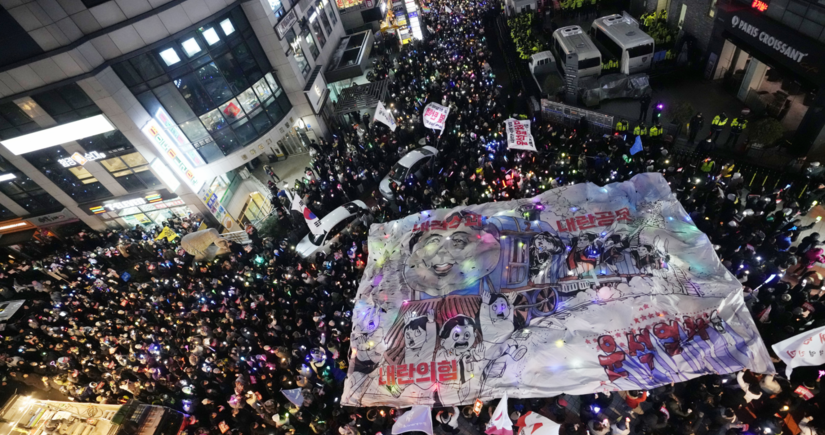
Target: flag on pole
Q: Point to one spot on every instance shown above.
(384, 116)
(313, 222)
(500, 423)
(448, 10)
(637, 146)
(804, 349)
(435, 116)
(417, 419)
(295, 395)
(168, 233)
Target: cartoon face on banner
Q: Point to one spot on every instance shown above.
(582, 289)
(452, 255)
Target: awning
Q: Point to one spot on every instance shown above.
(18, 237)
(361, 97)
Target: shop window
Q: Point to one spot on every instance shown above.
(131, 171)
(213, 121)
(245, 131)
(798, 7)
(14, 121)
(146, 65)
(227, 27)
(331, 12)
(25, 192)
(276, 87)
(261, 122)
(226, 141)
(110, 142)
(244, 57)
(209, 150)
(297, 52)
(173, 102)
(248, 100)
(83, 174)
(194, 93)
(262, 90)
(231, 111)
(313, 48)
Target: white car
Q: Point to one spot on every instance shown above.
(418, 161)
(332, 224)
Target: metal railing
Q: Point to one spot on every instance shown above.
(240, 237)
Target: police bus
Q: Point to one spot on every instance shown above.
(619, 37)
(571, 39)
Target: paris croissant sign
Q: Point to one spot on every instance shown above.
(767, 39)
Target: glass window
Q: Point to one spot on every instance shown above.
(248, 100)
(194, 131)
(331, 12)
(213, 121)
(274, 110)
(210, 35)
(313, 48)
(262, 90)
(275, 5)
(297, 52)
(260, 121)
(114, 164)
(245, 131)
(14, 114)
(170, 56)
(227, 27)
(214, 83)
(226, 140)
(231, 110)
(324, 19)
(232, 72)
(244, 57)
(173, 102)
(191, 47)
(210, 151)
(194, 94)
(316, 27)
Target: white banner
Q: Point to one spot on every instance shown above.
(805, 349)
(581, 289)
(313, 222)
(417, 419)
(384, 116)
(537, 424)
(435, 116)
(519, 136)
(295, 395)
(500, 423)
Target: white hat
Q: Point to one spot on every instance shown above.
(815, 164)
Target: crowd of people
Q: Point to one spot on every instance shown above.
(123, 315)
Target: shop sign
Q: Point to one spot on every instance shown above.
(171, 154)
(125, 204)
(53, 218)
(177, 136)
(759, 5)
(765, 38)
(286, 23)
(80, 159)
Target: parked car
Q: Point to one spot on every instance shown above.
(418, 161)
(332, 224)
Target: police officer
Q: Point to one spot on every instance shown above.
(644, 104)
(622, 126)
(736, 128)
(717, 125)
(640, 130)
(695, 126)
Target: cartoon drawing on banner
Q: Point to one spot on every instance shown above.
(466, 303)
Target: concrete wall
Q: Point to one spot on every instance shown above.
(697, 21)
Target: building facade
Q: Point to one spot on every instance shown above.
(765, 52)
(120, 112)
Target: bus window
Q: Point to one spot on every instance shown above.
(641, 50)
(588, 63)
(609, 45)
(519, 263)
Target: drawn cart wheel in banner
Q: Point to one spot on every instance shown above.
(535, 303)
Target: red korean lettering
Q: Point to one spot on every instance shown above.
(604, 218)
(423, 369)
(441, 118)
(425, 226)
(571, 224)
(611, 362)
(389, 372)
(665, 331)
(416, 228)
(586, 222)
(454, 221)
(404, 373)
(639, 343)
(623, 215)
(561, 227)
(447, 371)
(696, 327)
(438, 225)
(822, 338)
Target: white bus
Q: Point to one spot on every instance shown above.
(571, 39)
(620, 38)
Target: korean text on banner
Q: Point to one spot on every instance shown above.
(805, 349)
(601, 289)
(435, 116)
(384, 116)
(518, 135)
(312, 221)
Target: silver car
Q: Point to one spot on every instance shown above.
(418, 162)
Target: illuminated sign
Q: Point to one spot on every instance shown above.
(58, 135)
(80, 159)
(766, 38)
(759, 5)
(171, 154)
(125, 204)
(178, 137)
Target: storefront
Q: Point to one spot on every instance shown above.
(774, 70)
(145, 208)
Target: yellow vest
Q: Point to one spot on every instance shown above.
(718, 121)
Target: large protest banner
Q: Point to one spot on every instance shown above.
(581, 289)
(435, 116)
(519, 136)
